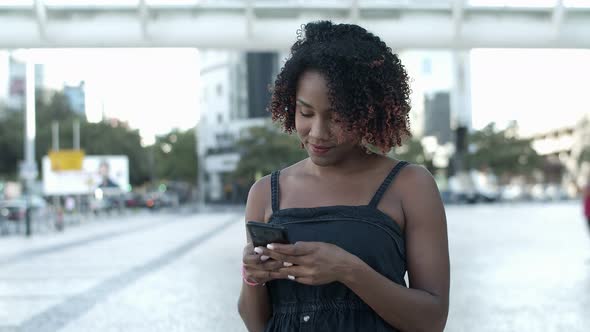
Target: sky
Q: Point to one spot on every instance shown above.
(156, 90)
(541, 89)
(153, 89)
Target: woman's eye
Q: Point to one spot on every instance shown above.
(305, 115)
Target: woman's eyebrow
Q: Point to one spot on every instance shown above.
(304, 103)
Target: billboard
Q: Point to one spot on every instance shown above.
(108, 173)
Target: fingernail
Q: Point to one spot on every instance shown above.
(264, 258)
(291, 277)
(287, 264)
(270, 246)
(258, 250)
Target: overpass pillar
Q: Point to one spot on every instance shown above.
(460, 106)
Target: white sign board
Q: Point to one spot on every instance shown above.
(109, 173)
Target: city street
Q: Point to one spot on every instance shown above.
(515, 267)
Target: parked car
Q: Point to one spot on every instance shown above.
(134, 200)
(15, 209)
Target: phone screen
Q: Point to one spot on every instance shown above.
(263, 234)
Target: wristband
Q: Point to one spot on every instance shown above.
(248, 282)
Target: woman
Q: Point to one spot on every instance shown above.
(343, 92)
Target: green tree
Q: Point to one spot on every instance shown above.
(502, 151)
(175, 156)
(112, 137)
(413, 151)
(263, 150)
(585, 155)
(107, 137)
(11, 144)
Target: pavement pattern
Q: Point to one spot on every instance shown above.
(515, 267)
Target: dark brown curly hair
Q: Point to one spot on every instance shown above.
(368, 85)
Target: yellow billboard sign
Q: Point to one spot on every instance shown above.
(66, 160)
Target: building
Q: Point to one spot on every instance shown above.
(17, 88)
(234, 96)
(437, 117)
(569, 146)
(76, 97)
(430, 73)
(17, 72)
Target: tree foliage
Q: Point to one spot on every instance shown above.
(11, 144)
(175, 156)
(265, 149)
(103, 138)
(413, 151)
(502, 151)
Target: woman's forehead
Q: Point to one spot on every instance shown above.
(312, 90)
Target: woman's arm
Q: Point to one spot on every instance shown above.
(253, 304)
(424, 306)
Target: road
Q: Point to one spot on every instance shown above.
(522, 267)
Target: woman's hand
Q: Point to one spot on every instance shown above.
(258, 266)
(311, 263)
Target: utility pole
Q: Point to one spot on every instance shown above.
(55, 147)
(76, 141)
(200, 168)
(29, 168)
(461, 106)
(76, 132)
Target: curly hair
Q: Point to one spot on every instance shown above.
(367, 84)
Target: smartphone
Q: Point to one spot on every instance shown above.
(263, 233)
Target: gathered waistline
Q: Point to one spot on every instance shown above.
(299, 307)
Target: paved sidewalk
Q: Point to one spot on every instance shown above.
(522, 267)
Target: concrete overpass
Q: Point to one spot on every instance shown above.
(458, 25)
(271, 24)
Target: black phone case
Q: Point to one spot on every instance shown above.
(263, 234)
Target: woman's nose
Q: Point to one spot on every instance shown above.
(320, 129)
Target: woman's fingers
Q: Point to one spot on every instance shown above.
(291, 272)
(269, 265)
(259, 275)
(252, 260)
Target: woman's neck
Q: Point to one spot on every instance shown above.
(355, 163)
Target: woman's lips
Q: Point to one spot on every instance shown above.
(319, 149)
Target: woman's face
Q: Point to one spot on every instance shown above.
(326, 142)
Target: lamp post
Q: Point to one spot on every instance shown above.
(29, 168)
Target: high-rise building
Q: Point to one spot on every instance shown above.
(437, 117)
(17, 88)
(76, 97)
(17, 84)
(234, 96)
(430, 73)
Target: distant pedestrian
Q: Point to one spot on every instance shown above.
(70, 204)
(346, 95)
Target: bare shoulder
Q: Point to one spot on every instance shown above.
(259, 200)
(293, 170)
(420, 198)
(416, 179)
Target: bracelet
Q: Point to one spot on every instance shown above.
(248, 282)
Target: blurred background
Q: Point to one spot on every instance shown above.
(132, 130)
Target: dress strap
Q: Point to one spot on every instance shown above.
(383, 188)
(275, 191)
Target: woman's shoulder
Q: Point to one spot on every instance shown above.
(414, 177)
(260, 194)
(293, 170)
(262, 187)
(411, 182)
